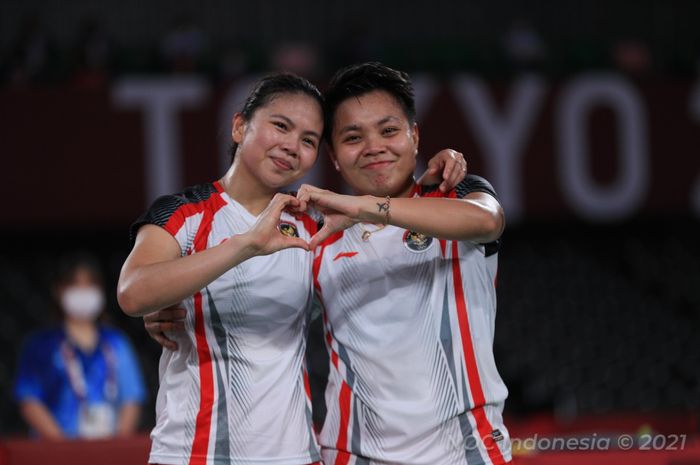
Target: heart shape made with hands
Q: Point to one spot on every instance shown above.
(335, 211)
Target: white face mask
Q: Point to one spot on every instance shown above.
(83, 303)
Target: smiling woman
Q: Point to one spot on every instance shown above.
(276, 146)
(374, 144)
(242, 348)
(410, 329)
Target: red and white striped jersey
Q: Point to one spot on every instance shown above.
(409, 323)
(235, 391)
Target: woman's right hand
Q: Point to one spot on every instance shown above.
(171, 319)
(265, 236)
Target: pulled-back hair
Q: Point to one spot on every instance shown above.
(360, 79)
(272, 86)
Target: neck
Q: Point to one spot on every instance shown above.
(83, 333)
(245, 189)
(406, 189)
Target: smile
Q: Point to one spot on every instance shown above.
(282, 164)
(377, 165)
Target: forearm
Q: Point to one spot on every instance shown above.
(149, 287)
(41, 419)
(450, 219)
(128, 421)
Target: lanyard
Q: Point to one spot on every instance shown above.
(76, 374)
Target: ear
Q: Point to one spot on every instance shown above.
(238, 126)
(416, 138)
(331, 154)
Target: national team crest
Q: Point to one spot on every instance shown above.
(415, 241)
(288, 229)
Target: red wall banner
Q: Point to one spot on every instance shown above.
(592, 147)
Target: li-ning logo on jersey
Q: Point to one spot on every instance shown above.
(288, 229)
(416, 242)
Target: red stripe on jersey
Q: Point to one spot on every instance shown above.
(342, 442)
(482, 422)
(342, 457)
(443, 247)
(309, 224)
(345, 393)
(317, 260)
(435, 193)
(345, 254)
(200, 443)
(177, 219)
(183, 212)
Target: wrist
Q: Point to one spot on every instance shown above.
(368, 210)
(245, 245)
(377, 209)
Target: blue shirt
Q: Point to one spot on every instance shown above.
(43, 374)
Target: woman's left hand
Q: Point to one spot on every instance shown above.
(339, 211)
(448, 167)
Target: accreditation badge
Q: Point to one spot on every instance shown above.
(96, 420)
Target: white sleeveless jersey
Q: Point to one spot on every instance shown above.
(409, 324)
(235, 391)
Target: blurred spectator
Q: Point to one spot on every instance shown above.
(183, 48)
(81, 379)
(93, 56)
(522, 44)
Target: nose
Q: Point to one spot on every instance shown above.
(374, 146)
(290, 145)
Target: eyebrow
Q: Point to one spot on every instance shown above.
(355, 127)
(291, 123)
(386, 119)
(351, 127)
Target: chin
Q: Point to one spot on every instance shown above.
(277, 181)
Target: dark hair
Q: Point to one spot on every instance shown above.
(272, 86)
(357, 80)
(64, 274)
(68, 266)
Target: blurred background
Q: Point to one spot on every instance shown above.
(585, 115)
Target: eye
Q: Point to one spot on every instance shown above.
(351, 139)
(280, 125)
(310, 142)
(388, 131)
